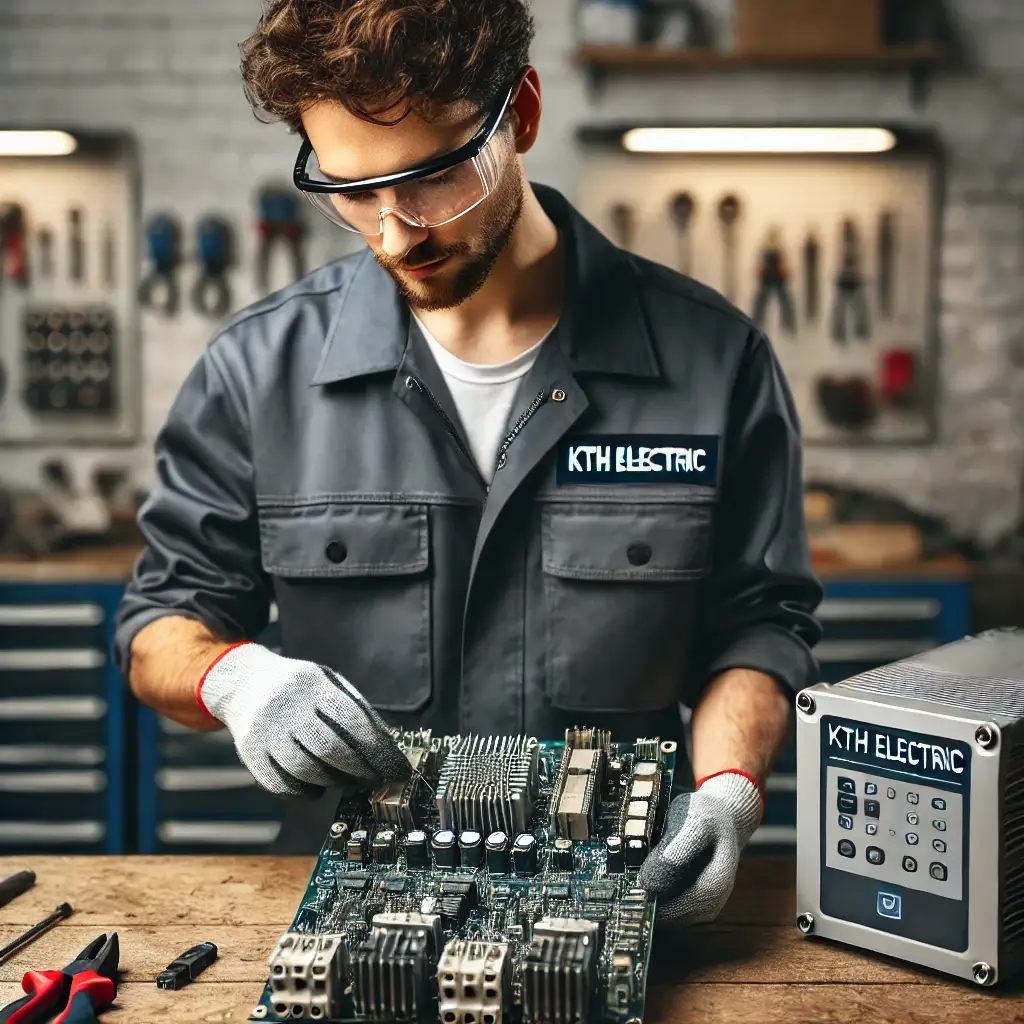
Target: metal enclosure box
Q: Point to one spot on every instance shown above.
(910, 808)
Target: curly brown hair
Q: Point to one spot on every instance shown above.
(372, 56)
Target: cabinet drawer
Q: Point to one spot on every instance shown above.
(184, 835)
(72, 835)
(61, 795)
(71, 671)
(52, 626)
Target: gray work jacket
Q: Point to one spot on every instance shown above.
(644, 531)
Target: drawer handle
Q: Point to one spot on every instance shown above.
(774, 835)
(51, 831)
(46, 661)
(881, 651)
(873, 609)
(52, 782)
(51, 615)
(50, 754)
(178, 780)
(224, 833)
(81, 709)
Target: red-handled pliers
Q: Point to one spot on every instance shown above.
(85, 987)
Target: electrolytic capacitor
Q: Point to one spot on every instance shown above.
(446, 853)
(471, 848)
(616, 854)
(384, 847)
(524, 854)
(561, 855)
(339, 837)
(357, 846)
(636, 852)
(416, 852)
(497, 853)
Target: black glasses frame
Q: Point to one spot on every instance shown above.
(473, 148)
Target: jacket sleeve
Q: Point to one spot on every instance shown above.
(202, 554)
(759, 600)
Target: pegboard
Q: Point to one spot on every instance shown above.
(798, 196)
(69, 344)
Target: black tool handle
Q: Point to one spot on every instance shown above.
(14, 885)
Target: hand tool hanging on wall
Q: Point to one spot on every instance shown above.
(812, 281)
(44, 238)
(13, 246)
(846, 402)
(728, 215)
(211, 294)
(886, 263)
(76, 993)
(76, 247)
(850, 295)
(774, 277)
(279, 223)
(159, 288)
(681, 207)
(108, 257)
(623, 223)
(897, 383)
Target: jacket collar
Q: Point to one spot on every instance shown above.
(602, 326)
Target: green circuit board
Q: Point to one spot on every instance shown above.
(496, 886)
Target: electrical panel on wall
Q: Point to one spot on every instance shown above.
(69, 346)
(826, 237)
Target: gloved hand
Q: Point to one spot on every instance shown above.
(693, 868)
(298, 727)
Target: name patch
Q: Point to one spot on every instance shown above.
(638, 459)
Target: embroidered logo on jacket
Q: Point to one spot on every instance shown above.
(638, 459)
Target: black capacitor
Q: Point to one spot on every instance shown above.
(497, 853)
(471, 848)
(384, 847)
(446, 852)
(416, 853)
(616, 855)
(561, 855)
(524, 854)
(339, 837)
(358, 846)
(636, 852)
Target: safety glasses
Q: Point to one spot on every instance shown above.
(435, 193)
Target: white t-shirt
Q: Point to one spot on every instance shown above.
(483, 396)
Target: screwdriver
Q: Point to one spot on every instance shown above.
(14, 885)
(63, 911)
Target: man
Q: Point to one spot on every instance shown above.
(499, 475)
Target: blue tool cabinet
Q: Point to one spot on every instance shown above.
(62, 720)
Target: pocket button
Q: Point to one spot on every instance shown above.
(336, 552)
(638, 554)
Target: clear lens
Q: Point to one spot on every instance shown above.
(425, 202)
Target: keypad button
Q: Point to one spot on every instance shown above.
(912, 818)
(909, 864)
(875, 855)
(911, 839)
(872, 808)
(891, 793)
(939, 845)
(846, 848)
(847, 786)
(870, 788)
(871, 828)
(938, 803)
(911, 798)
(937, 871)
(939, 825)
(847, 804)
(845, 821)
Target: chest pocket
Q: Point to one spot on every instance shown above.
(353, 591)
(620, 592)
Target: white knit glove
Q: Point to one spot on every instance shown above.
(693, 869)
(298, 727)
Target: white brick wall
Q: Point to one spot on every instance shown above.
(168, 72)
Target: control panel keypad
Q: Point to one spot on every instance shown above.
(890, 815)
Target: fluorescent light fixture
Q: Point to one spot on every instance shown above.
(758, 140)
(20, 143)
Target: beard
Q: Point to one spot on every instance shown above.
(479, 255)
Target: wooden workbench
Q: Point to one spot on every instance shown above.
(750, 966)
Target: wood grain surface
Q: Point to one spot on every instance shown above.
(752, 965)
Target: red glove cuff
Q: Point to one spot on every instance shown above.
(736, 771)
(208, 670)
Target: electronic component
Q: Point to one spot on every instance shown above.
(398, 803)
(616, 854)
(636, 852)
(642, 796)
(524, 854)
(498, 853)
(188, 966)
(357, 845)
(384, 846)
(473, 982)
(488, 783)
(416, 853)
(578, 783)
(559, 971)
(307, 976)
(471, 849)
(561, 856)
(337, 837)
(445, 850)
(389, 974)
